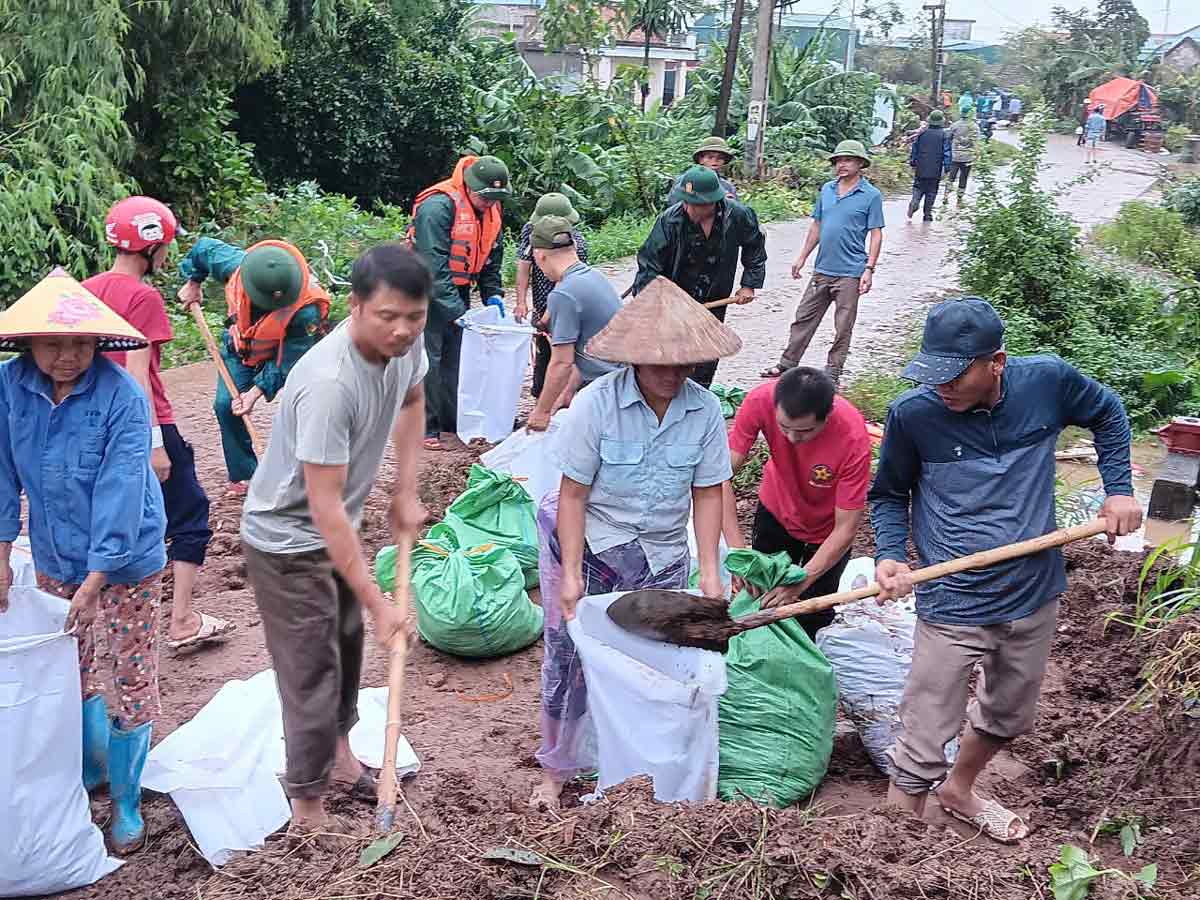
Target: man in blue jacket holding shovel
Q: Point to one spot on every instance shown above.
(967, 464)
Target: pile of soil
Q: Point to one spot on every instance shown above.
(1076, 779)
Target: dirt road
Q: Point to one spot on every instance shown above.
(488, 745)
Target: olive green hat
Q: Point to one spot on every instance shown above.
(271, 277)
(713, 144)
(937, 118)
(853, 149)
(552, 233)
(699, 184)
(554, 204)
(488, 177)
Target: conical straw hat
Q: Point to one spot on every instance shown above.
(58, 304)
(663, 326)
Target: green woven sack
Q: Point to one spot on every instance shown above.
(731, 398)
(496, 509)
(777, 718)
(469, 602)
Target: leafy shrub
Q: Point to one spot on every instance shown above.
(1184, 198)
(1154, 235)
(773, 201)
(872, 393)
(1175, 137)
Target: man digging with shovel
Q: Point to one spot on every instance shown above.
(971, 451)
(360, 385)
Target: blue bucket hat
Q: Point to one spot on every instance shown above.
(957, 332)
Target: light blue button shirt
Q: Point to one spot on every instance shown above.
(641, 471)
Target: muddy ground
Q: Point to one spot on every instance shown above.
(1068, 778)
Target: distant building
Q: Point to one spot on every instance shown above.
(958, 30)
(1180, 52)
(990, 52)
(670, 59)
(799, 29)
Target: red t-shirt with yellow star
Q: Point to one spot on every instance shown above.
(804, 483)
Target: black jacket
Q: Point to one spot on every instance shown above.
(663, 251)
(930, 155)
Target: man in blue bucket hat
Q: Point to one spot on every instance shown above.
(967, 464)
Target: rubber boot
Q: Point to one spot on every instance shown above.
(95, 743)
(126, 756)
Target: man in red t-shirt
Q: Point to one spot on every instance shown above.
(141, 229)
(814, 486)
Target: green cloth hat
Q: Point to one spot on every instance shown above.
(488, 177)
(552, 233)
(554, 204)
(937, 118)
(713, 144)
(699, 184)
(853, 149)
(271, 277)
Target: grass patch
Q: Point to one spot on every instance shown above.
(872, 393)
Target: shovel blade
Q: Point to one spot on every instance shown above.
(638, 612)
(674, 617)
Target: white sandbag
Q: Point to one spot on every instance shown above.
(653, 706)
(870, 648)
(21, 562)
(527, 454)
(694, 551)
(222, 768)
(48, 842)
(492, 368)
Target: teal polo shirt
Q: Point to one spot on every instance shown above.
(845, 222)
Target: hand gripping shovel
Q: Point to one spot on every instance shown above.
(385, 807)
(690, 621)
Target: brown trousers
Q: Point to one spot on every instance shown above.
(314, 630)
(823, 290)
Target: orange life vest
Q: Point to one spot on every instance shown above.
(472, 236)
(258, 340)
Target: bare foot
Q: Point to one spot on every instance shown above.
(346, 767)
(451, 442)
(183, 629)
(913, 803)
(308, 815)
(547, 794)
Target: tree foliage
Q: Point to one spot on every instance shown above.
(660, 18)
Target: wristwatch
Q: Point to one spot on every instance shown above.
(870, 269)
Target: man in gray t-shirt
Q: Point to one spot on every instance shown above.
(356, 388)
(579, 307)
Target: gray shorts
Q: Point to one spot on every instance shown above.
(1012, 656)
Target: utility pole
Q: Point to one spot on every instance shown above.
(756, 118)
(850, 38)
(937, 26)
(1167, 18)
(721, 127)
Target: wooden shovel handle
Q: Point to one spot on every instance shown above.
(223, 371)
(385, 809)
(980, 560)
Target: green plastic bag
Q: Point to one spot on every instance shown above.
(498, 510)
(731, 398)
(777, 718)
(469, 602)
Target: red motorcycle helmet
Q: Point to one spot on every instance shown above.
(140, 223)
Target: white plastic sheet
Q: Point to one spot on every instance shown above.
(48, 843)
(222, 768)
(653, 706)
(492, 368)
(527, 455)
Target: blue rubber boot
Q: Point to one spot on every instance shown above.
(95, 743)
(126, 756)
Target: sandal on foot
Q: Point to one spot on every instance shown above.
(432, 443)
(993, 820)
(211, 629)
(773, 372)
(365, 788)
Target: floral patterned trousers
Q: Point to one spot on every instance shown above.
(127, 619)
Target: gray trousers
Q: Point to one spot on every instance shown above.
(822, 291)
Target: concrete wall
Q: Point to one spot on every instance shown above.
(1183, 57)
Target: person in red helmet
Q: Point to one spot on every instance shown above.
(141, 230)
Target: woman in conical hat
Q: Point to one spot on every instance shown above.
(640, 449)
(75, 440)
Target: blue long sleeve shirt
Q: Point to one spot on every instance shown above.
(84, 467)
(924, 155)
(213, 258)
(980, 479)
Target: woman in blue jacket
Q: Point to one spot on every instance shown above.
(75, 440)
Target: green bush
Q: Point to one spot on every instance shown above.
(1184, 198)
(1175, 137)
(872, 393)
(1153, 235)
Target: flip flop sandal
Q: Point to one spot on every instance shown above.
(993, 820)
(773, 372)
(366, 788)
(432, 443)
(211, 629)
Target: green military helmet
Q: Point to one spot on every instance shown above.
(714, 144)
(272, 277)
(853, 149)
(488, 177)
(698, 184)
(552, 233)
(553, 204)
